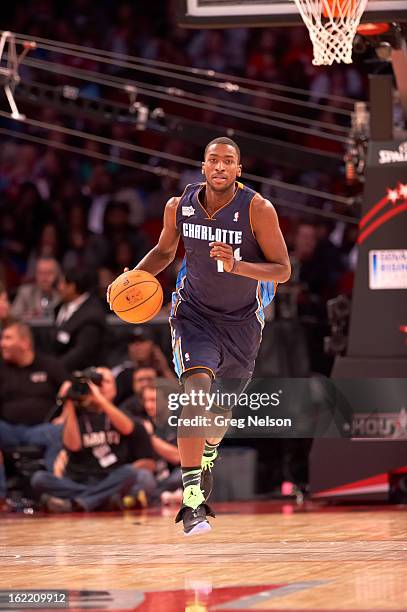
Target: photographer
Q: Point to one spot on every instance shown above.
(108, 454)
(29, 383)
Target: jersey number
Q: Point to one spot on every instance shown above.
(236, 254)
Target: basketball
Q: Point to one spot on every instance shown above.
(136, 296)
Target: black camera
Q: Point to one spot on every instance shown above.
(80, 384)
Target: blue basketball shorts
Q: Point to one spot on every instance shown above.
(226, 351)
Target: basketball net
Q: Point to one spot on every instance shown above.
(332, 26)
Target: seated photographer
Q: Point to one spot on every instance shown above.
(29, 383)
(108, 454)
(164, 442)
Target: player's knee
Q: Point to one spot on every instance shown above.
(225, 411)
(197, 381)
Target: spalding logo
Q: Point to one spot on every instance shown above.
(134, 296)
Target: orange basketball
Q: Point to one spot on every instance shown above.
(136, 296)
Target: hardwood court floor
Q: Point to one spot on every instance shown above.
(258, 557)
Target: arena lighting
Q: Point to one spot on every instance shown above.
(9, 76)
(69, 101)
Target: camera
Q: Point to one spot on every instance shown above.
(80, 384)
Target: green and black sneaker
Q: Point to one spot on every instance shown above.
(194, 512)
(207, 476)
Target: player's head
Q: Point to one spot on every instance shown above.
(222, 163)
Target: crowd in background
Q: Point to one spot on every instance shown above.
(105, 216)
(70, 224)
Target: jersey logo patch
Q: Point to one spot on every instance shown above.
(236, 217)
(39, 377)
(187, 358)
(188, 211)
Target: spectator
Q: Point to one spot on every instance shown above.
(5, 307)
(38, 300)
(140, 379)
(105, 278)
(143, 353)
(117, 229)
(29, 383)
(100, 187)
(3, 488)
(13, 249)
(78, 252)
(32, 212)
(80, 320)
(318, 258)
(164, 442)
(122, 257)
(108, 454)
(305, 245)
(49, 245)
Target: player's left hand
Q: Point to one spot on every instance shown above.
(223, 252)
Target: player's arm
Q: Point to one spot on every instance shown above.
(270, 239)
(164, 251)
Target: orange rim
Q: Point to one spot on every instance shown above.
(373, 29)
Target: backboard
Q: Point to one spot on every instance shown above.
(229, 13)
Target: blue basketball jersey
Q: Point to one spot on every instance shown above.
(218, 295)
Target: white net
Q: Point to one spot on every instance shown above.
(332, 26)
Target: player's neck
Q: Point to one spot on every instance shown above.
(214, 200)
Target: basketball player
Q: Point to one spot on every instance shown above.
(235, 256)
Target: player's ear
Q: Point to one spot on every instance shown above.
(239, 170)
(203, 168)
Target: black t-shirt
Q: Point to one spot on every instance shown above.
(165, 432)
(27, 394)
(133, 406)
(104, 448)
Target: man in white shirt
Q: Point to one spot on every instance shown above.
(38, 300)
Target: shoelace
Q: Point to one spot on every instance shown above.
(208, 463)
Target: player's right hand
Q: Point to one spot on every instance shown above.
(109, 289)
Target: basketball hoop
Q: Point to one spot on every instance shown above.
(332, 25)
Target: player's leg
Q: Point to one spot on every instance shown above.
(191, 442)
(214, 439)
(240, 346)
